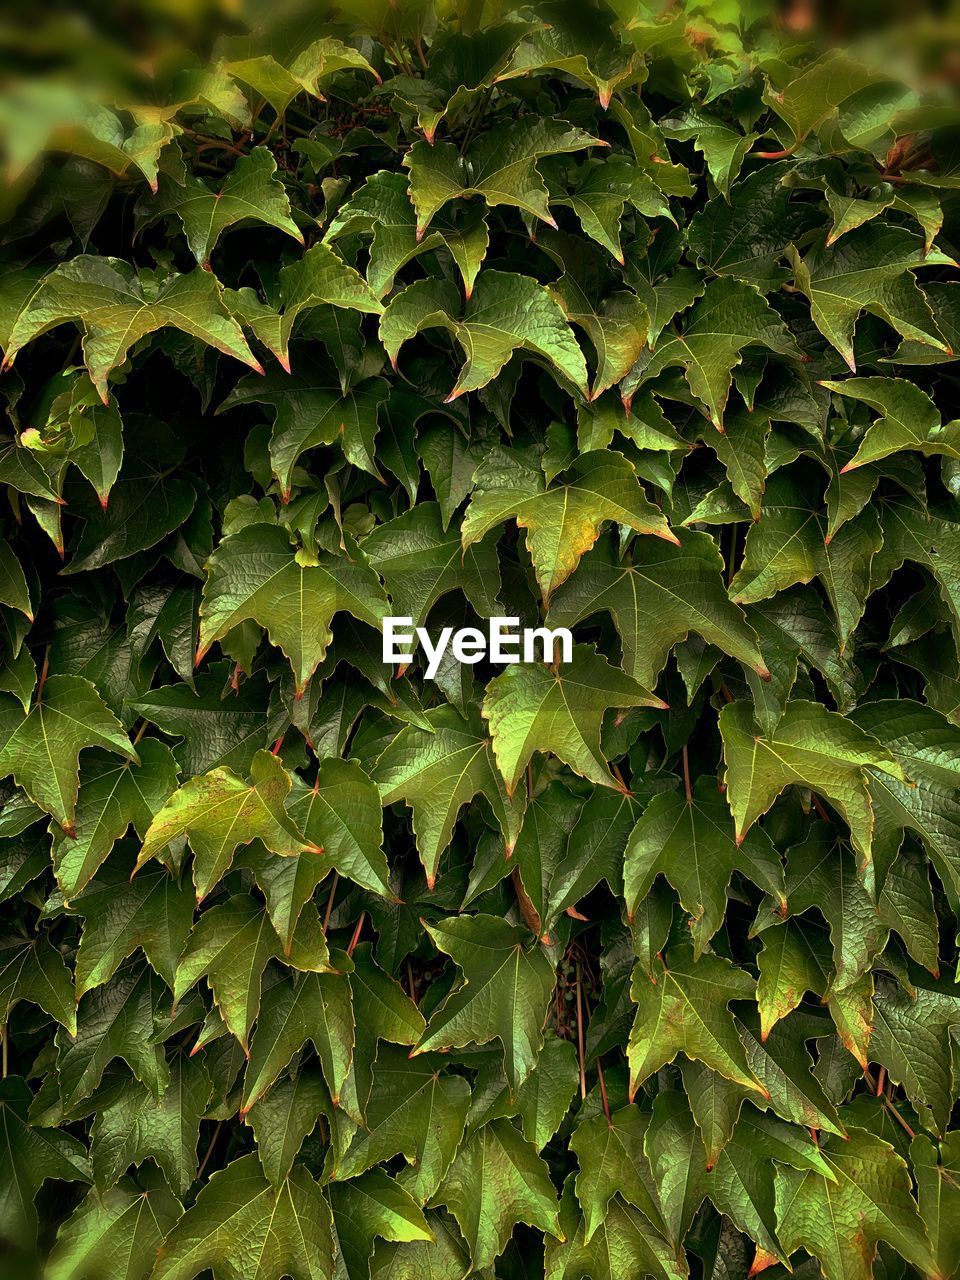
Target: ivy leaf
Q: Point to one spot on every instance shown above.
(534, 708)
(568, 42)
(908, 420)
(413, 1111)
(218, 724)
(611, 1159)
(28, 1157)
(320, 279)
(249, 192)
(792, 543)
(810, 97)
(33, 969)
(811, 747)
(256, 575)
(437, 774)
(691, 843)
(625, 1243)
(315, 1007)
(445, 1258)
(118, 1233)
(372, 1206)
(496, 1181)
(114, 1021)
(113, 797)
(937, 1190)
(42, 751)
(500, 166)
(926, 746)
(137, 1127)
(869, 270)
(562, 520)
(503, 994)
(243, 1226)
(280, 79)
(14, 591)
(723, 148)
(116, 308)
(382, 205)
(231, 945)
(420, 563)
(284, 1117)
(153, 911)
(745, 235)
(684, 1008)
(505, 313)
(218, 811)
(911, 1038)
(840, 1221)
(730, 317)
(656, 596)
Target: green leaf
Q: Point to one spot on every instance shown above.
(437, 774)
(792, 543)
(939, 1195)
(612, 1162)
(505, 313)
(497, 1180)
(503, 993)
(242, 1226)
(113, 797)
(231, 945)
(500, 166)
(564, 520)
(691, 843)
(912, 1039)
(42, 751)
(811, 747)
(908, 420)
(114, 1021)
(14, 591)
(869, 270)
(730, 317)
(33, 969)
(413, 1111)
(722, 147)
(256, 575)
(116, 308)
(373, 1206)
(251, 191)
(153, 911)
(137, 1127)
(382, 205)
(656, 596)
(280, 79)
(420, 563)
(315, 1007)
(29, 1156)
(117, 1233)
(683, 1008)
(218, 811)
(559, 711)
(840, 1221)
(626, 1243)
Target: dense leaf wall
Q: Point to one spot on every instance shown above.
(638, 323)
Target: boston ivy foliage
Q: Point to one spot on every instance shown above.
(635, 320)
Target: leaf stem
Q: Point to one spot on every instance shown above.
(603, 1093)
(583, 1070)
(333, 890)
(351, 947)
(209, 1151)
(686, 774)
